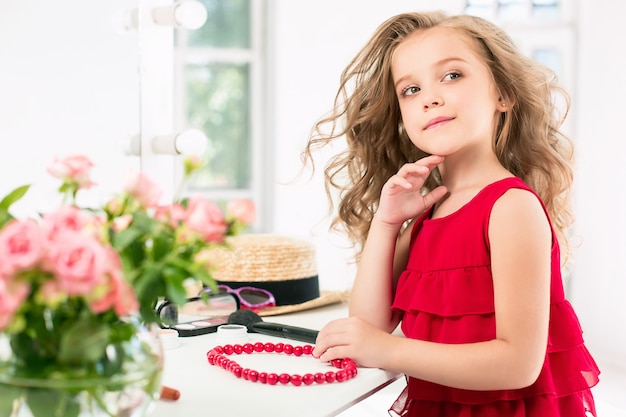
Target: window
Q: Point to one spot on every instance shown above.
(217, 89)
(538, 10)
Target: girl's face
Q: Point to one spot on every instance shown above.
(448, 99)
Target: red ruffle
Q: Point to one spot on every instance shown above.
(435, 307)
(575, 405)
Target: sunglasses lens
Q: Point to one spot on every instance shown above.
(254, 297)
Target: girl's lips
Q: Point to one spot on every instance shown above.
(437, 121)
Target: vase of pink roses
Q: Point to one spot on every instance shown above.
(79, 287)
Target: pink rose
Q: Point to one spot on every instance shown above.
(242, 210)
(206, 218)
(22, 246)
(118, 294)
(173, 214)
(78, 261)
(74, 168)
(12, 294)
(65, 218)
(115, 206)
(122, 222)
(143, 189)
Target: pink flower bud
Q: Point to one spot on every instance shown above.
(206, 218)
(143, 189)
(74, 168)
(242, 210)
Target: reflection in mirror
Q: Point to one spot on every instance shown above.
(199, 315)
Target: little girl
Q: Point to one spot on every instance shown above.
(454, 186)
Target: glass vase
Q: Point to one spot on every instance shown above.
(124, 383)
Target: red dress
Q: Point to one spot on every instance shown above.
(446, 296)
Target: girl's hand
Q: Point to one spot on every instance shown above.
(355, 339)
(401, 198)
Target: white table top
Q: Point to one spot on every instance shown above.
(211, 390)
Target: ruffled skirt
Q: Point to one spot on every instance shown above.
(436, 311)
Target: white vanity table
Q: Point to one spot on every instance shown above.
(212, 391)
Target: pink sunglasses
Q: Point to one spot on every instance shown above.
(250, 297)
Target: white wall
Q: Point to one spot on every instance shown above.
(598, 284)
(68, 84)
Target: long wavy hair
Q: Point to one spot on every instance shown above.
(366, 114)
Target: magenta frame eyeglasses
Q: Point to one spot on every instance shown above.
(251, 297)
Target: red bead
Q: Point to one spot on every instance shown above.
(268, 347)
(296, 380)
(237, 371)
(238, 349)
(341, 376)
(218, 349)
(330, 377)
(307, 349)
(263, 377)
(272, 379)
(284, 378)
(253, 376)
(320, 378)
(288, 349)
(336, 363)
(258, 347)
(348, 363)
(245, 373)
(279, 347)
(297, 350)
(248, 348)
(308, 379)
(229, 349)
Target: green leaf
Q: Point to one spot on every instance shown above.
(144, 222)
(83, 342)
(162, 245)
(8, 200)
(147, 283)
(174, 288)
(13, 196)
(52, 403)
(121, 240)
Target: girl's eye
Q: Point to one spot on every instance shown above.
(409, 91)
(452, 76)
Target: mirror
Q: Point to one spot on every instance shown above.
(199, 315)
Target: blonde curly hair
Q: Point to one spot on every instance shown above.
(366, 113)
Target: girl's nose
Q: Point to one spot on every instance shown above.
(431, 97)
(432, 101)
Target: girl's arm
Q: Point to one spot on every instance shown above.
(384, 254)
(520, 239)
(373, 289)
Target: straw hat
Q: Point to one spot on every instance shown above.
(283, 265)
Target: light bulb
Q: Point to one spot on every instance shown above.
(188, 14)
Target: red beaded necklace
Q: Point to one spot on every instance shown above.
(217, 356)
